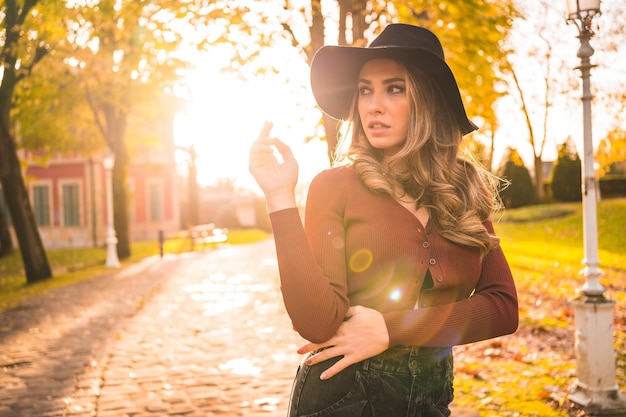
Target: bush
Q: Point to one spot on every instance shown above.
(519, 191)
(567, 174)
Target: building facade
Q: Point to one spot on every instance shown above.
(68, 195)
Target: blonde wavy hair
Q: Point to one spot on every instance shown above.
(458, 193)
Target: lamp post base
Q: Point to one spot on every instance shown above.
(112, 261)
(597, 403)
(595, 389)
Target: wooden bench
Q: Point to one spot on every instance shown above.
(207, 235)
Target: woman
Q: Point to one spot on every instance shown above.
(398, 260)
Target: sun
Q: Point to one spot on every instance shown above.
(220, 123)
(225, 114)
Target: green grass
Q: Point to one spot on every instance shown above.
(73, 265)
(546, 254)
(544, 246)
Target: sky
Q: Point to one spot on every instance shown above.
(224, 114)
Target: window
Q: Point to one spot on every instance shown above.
(155, 201)
(41, 204)
(71, 205)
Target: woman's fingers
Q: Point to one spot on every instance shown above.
(265, 130)
(275, 169)
(339, 366)
(322, 355)
(283, 150)
(330, 353)
(309, 347)
(268, 146)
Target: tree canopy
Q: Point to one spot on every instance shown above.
(74, 69)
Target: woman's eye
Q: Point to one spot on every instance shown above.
(396, 89)
(364, 90)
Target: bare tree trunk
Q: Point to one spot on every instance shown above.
(359, 24)
(538, 179)
(114, 131)
(531, 134)
(316, 30)
(193, 189)
(348, 9)
(120, 205)
(36, 266)
(6, 243)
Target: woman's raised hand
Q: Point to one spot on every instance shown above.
(277, 176)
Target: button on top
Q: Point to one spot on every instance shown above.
(425, 244)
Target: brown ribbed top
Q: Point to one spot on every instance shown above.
(362, 248)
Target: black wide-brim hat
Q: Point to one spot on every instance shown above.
(335, 69)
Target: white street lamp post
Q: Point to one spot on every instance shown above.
(595, 388)
(112, 260)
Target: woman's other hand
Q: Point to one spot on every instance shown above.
(362, 335)
(276, 175)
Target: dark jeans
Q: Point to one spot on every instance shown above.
(400, 382)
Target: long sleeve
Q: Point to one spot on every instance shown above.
(315, 297)
(361, 248)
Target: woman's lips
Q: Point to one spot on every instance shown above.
(377, 127)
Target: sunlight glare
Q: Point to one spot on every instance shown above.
(224, 116)
(240, 366)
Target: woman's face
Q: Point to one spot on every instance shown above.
(383, 104)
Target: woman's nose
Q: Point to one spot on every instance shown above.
(375, 104)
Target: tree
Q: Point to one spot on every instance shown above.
(115, 67)
(191, 215)
(27, 39)
(51, 113)
(538, 90)
(567, 174)
(120, 53)
(351, 12)
(543, 79)
(611, 150)
(6, 243)
(125, 58)
(518, 189)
